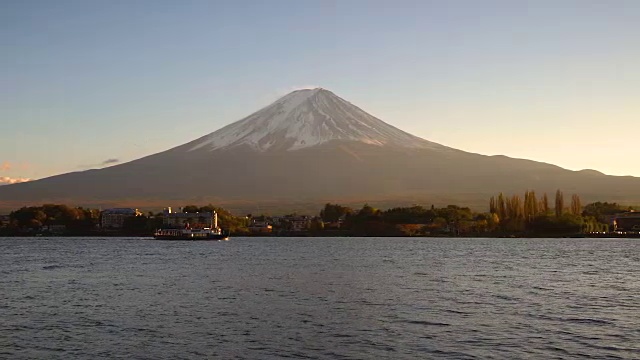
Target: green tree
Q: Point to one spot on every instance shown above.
(408, 215)
(565, 225)
(600, 210)
(333, 212)
(191, 209)
(368, 211)
(226, 220)
(316, 225)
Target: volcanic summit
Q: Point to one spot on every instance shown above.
(307, 118)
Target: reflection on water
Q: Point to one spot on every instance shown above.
(325, 298)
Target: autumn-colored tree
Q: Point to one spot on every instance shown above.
(514, 208)
(544, 204)
(576, 205)
(518, 210)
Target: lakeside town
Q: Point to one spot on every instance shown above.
(508, 216)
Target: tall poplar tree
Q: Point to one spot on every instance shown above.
(518, 208)
(576, 205)
(534, 204)
(502, 212)
(559, 203)
(544, 204)
(514, 207)
(530, 205)
(509, 211)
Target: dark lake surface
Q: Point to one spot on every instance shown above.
(320, 298)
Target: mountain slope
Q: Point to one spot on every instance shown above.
(312, 146)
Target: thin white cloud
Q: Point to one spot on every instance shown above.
(5, 180)
(284, 91)
(276, 94)
(102, 164)
(110, 161)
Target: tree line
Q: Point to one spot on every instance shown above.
(508, 215)
(65, 220)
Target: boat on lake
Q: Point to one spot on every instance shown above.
(190, 234)
(190, 226)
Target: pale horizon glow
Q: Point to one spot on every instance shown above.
(5, 180)
(104, 83)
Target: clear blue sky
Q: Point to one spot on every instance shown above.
(84, 82)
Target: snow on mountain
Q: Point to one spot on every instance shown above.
(306, 118)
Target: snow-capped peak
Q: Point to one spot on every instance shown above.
(306, 118)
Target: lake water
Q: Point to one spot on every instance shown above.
(320, 298)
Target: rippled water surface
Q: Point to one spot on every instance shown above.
(325, 298)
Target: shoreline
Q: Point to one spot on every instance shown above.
(488, 236)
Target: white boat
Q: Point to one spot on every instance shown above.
(190, 234)
(190, 226)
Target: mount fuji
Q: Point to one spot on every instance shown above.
(308, 148)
